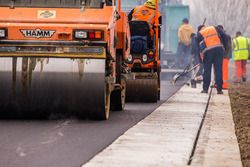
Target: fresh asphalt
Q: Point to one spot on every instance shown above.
(70, 142)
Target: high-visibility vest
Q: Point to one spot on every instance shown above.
(211, 38)
(143, 13)
(241, 46)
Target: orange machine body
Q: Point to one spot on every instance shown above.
(50, 31)
(123, 34)
(60, 21)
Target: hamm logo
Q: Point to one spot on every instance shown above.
(46, 14)
(38, 33)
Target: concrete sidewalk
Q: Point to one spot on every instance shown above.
(168, 136)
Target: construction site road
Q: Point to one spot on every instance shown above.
(69, 142)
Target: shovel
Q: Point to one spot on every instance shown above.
(183, 73)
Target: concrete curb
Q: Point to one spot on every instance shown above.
(167, 136)
(217, 145)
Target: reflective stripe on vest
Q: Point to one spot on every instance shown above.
(238, 47)
(211, 38)
(149, 18)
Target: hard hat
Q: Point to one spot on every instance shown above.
(150, 4)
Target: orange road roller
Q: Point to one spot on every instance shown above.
(143, 83)
(62, 55)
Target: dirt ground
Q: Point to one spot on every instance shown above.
(240, 101)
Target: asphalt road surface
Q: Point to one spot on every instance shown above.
(69, 142)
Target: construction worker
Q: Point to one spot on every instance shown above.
(184, 48)
(212, 44)
(226, 59)
(241, 53)
(146, 13)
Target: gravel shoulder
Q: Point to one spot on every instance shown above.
(240, 102)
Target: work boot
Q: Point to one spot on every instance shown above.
(204, 91)
(236, 81)
(219, 92)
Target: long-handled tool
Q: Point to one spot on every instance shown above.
(183, 73)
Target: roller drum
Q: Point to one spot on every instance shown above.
(32, 86)
(142, 90)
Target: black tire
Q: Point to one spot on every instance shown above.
(118, 98)
(159, 85)
(102, 112)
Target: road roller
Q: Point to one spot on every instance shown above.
(62, 56)
(143, 81)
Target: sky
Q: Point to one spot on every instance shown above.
(234, 15)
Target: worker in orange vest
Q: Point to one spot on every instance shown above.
(146, 13)
(212, 44)
(226, 59)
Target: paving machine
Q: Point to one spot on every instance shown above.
(62, 55)
(143, 83)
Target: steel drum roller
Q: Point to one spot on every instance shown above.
(37, 86)
(141, 90)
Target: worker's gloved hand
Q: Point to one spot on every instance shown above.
(202, 56)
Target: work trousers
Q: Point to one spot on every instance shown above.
(225, 73)
(213, 57)
(240, 69)
(183, 55)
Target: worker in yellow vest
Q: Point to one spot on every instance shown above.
(241, 54)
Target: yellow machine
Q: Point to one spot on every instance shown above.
(62, 55)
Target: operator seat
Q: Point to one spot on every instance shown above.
(140, 37)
